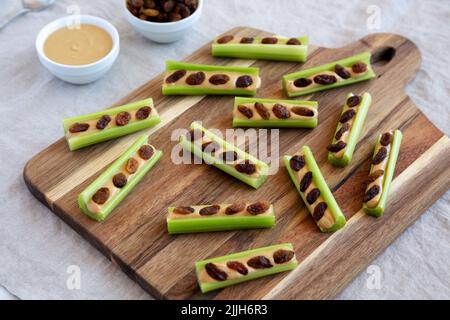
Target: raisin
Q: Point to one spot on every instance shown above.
(225, 39)
(235, 208)
(143, 113)
(246, 167)
(353, 101)
(132, 165)
(78, 127)
(229, 156)
(380, 156)
(293, 41)
(282, 256)
(306, 181)
(262, 111)
(210, 147)
(386, 139)
(359, 67)
(258, 207)
(343, 129)
(175, 16)
(177, 75)
(214, 272)
(122, 118)
(374, 176)
(218, 79)
(119, 180)
(101, 196)
(319, 211)
(269, 40)
(195, 134)
(347, 116)
(302, 82)
(209, 211)
(371, 193)
(302, 111)
(145, 152)
(325, 79)
(338, 146)
(183, 10)
(244, 81)
(103, 122)
(245, 111)
(342, 72)
(237, 266)
(247, 40)
(312, 196)
(169, 5)
(280, 111)
(297, 162)
(259, 262)
(183, 210)
(195, 79)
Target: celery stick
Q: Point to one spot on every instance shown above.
(257, 121)
(330, 220)
(94, 135)
(329, 69)
(271, 260)
(118, 166)
(257, 50)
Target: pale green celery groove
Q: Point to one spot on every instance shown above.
(190, 224)
(355, 132)
(85, 196)
(348, 62)
(378, 211)
(321, 184)
(262, 168)
(82, 140)
(279, 52)
(252, 274)
(199, 90)
(275, 122)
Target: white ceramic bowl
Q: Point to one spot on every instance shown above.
(84, 73)
(164, 32)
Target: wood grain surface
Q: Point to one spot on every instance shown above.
(135, 236)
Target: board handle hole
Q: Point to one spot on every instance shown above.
(382, 56)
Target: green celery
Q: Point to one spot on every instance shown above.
(378, 211)
(86, 139)
(321, 184)
(348, 62)
(280, 52)
(276, 123)
(85, 196)
(355, 132)
(252, 274)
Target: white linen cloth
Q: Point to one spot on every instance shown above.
(36, 247)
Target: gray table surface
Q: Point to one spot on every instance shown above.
(37, 249)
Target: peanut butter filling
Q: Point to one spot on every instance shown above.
(229, 85)
(272, 116)
(254, 40)
(204, 277)
(220, 213)
(379, 181)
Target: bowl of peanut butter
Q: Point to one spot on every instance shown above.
(78, 49)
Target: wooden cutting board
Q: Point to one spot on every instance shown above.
(135, 238)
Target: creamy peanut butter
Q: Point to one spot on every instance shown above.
(78, 46)
(96, 208)
(327, 220)
(233, 274)
(231, 83)
(237, 40)
(221, 213)
(292, 88)
(345, 135)
(257, 116)
(379, 181)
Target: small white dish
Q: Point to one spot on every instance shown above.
(82, 74)
(163, 32)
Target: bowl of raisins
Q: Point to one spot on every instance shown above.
(163, 20)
